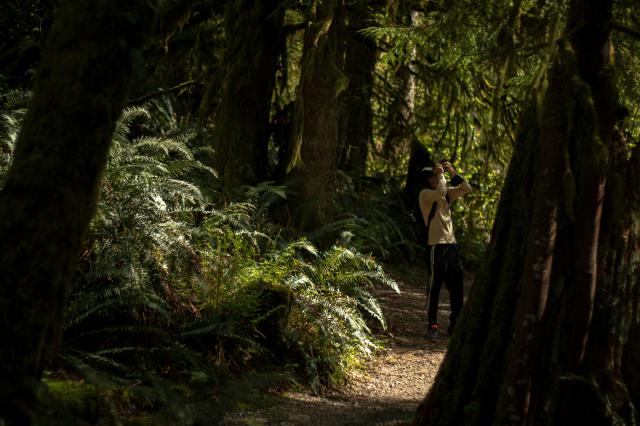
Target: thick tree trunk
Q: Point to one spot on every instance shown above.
(611, 357)
(523, 353)
(567, 251)
(356, 126)
(51, 189)
(619, 278)
(399, 132)
(253, 28)
(313, 159)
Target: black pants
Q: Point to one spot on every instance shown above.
(444, 265)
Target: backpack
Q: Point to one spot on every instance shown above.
(420, 229)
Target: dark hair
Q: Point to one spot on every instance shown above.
(426, 172)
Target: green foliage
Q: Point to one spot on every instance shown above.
(172, 292)
(12, 108)
(140, 244)
(473, 215)
(25, 25)
(627, 67)
(323, 298)
(331, 301)
(371, 218)
(68, 400)
(473, 70)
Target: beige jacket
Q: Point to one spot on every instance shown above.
(441, 227)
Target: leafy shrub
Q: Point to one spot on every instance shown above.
(318, 301)
(372, 219)
(139, 244)
(473, 217)
(170, 287)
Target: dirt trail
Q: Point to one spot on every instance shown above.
(390, 387)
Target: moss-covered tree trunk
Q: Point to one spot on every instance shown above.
(619, 284)
(356, 127)
(51, 189)
(252, 31)
(398, 132)
(547, 336)
(314, 146)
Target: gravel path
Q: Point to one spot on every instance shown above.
(390, 386)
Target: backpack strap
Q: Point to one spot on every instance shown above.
(432, 213)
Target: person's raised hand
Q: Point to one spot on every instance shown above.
(447, 167)
(438, 170)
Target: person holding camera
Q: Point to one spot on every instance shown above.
(444, 263)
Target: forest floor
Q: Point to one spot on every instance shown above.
(389, 387)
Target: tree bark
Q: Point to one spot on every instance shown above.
(313, 156)
(612, 352)
(399, 128)
(356, 126)
(523, 353)
(51, 189)
(567, 251)
(399, 133)
(253, 28)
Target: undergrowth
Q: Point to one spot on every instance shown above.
(175, 297)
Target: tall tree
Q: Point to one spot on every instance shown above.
(313, 156)
(557, 355)
(253, 30)
(50, 191)
(356, 127)
(399, 132)
(399, 129)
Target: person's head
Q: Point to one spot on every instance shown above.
(428, 176)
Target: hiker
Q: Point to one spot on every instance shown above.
(444, 264)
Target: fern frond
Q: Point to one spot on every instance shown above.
(127, 117)
(165, 147)
(102, 362)
(16, 99)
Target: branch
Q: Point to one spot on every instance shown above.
(162, 91)
(633, 32)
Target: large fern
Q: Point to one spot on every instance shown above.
(331, 303)
(167, 280)
(141, 243)
(331, 300)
